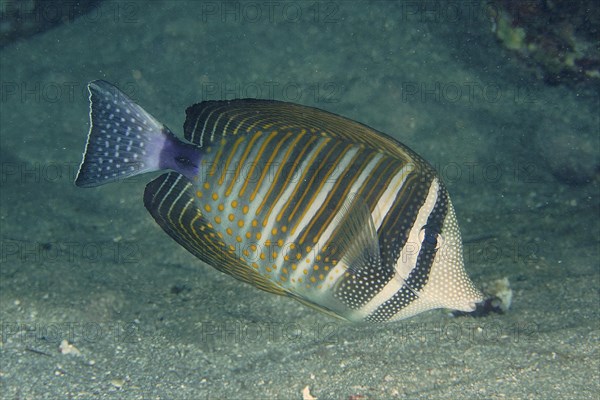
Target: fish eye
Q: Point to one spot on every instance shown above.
(431, 237)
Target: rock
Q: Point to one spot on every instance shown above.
(556, 39)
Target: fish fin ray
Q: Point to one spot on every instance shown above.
(356, 236)
(209, 121)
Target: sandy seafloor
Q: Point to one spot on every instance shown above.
(90, 266)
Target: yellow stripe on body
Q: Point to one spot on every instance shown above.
(286, 182)
(386, 200)
(329, 198)
(401, 207)
(305, 171)
(382, 180)
(259, 156)
(316, 206)
(231, 155)
(284, 198)
(276, 177)
(338, 271)
(217, 158)
(315, 192)
(242, 160)
(234, 209)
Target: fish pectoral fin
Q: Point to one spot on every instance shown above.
(356, 238)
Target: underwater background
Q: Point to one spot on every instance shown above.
(501, 97)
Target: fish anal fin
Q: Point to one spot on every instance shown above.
(171, 201)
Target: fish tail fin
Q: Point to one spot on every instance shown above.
(124, 140)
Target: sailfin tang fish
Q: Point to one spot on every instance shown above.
(293, 200)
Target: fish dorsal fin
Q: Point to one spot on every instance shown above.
(356, 236)
(171, 200)
(210, 121)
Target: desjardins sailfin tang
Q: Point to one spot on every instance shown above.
(293, 200)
